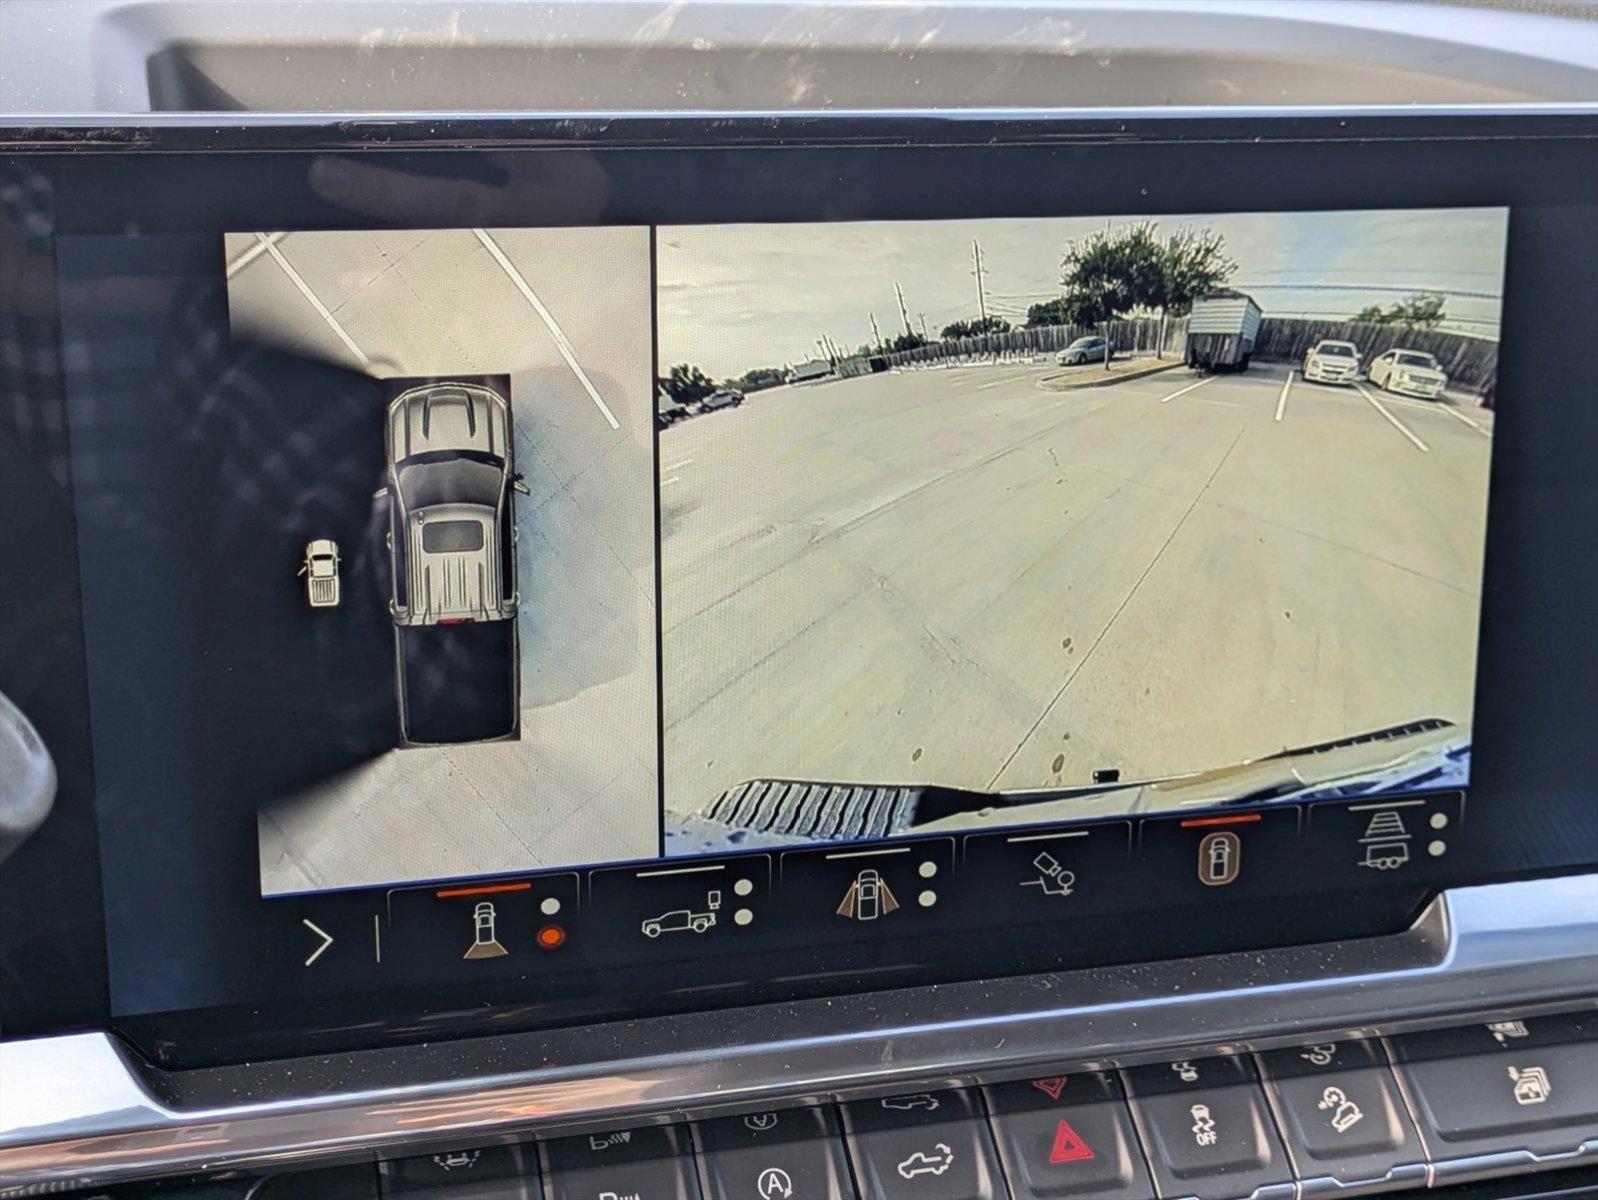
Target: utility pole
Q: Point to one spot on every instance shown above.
(982, 299)
(903, 311)
(876, 334)
(923, 317)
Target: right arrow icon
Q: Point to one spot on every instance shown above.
(1069, 1146)
(327, 939)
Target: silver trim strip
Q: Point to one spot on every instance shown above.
(952, 117)
(78, 1110)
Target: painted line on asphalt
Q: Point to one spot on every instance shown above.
(562, 342)
(1281, 401)
(677, 466)
(270, 247)
(255, 250)
(1394, 421)
(1188, 388)
(669, 482)
(1459, 416)
(1436, 406)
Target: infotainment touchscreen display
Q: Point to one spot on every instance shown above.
(576, 583)
(961, 525)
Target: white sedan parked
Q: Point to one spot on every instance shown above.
(1332, 362)
(1409, 373)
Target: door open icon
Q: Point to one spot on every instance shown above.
(484, 942)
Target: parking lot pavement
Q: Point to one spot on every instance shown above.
(580, 784)
(955, 576)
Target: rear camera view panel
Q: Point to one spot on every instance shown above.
(973, 524)
(474, 541)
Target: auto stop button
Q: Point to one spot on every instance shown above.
(1344, 1119)
(922, 1146)
(1207, 1130)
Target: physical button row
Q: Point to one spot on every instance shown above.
(1493, 1097)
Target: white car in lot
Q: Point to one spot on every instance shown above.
(1409, 373)
(1332, 362)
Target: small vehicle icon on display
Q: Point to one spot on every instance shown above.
(320, 570)
(684, 920)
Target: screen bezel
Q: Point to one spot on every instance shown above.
(1536, 679)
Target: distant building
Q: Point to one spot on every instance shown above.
(815, 368)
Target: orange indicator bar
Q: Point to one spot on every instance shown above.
(487, 889)
(1239, 819)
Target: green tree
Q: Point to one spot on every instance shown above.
(1193, 262)
(906, 341)
(975, 327)
(1423, 310)
(687, 383)
(756, 378)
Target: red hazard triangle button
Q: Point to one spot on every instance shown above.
(1069, 1146)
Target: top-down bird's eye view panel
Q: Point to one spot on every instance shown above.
(816, 600)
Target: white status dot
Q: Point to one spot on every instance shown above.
(550, 906)
(1439, 820)
(743, 887)
(928, 869)
(742, 917)
(927, 899)
(1437, 849)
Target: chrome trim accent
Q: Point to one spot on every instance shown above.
(77, 1109)
(448, 124)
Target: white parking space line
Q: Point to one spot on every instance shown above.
(668, 482)
(677, 466)
(1188, 388)
(1459, 416)
(269, 245)
(251, 253)
(1394, 421)
(561, 342)
(1281, 401)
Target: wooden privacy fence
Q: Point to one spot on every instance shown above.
(1471, 362)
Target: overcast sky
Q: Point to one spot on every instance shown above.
(732, 297)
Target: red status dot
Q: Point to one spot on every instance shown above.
(551, 936)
